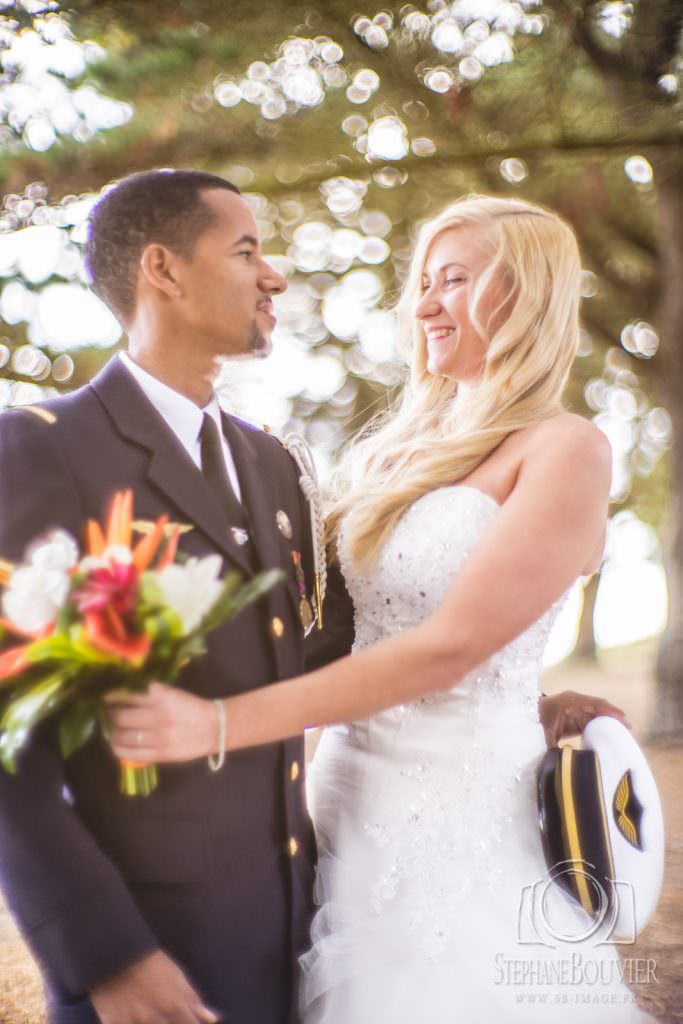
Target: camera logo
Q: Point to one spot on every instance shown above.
(548, 916)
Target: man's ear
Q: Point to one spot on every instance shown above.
(160, 269)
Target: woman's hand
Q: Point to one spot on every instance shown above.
(568, 713)
(164, 724)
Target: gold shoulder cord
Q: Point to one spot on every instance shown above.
(300, 451)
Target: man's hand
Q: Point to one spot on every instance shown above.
(568, 713)
(153, 991)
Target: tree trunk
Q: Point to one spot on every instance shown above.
(668, 720)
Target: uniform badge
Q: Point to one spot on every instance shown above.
(283, 524)
(305, 610)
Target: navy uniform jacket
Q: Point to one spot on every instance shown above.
(214, 868)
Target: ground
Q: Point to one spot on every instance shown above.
(662, 941)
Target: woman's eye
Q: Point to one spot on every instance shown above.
(454, 280)
(247, 252)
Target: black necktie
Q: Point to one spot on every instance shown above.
(216, 474)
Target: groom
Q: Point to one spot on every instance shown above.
(193, 904)
(197, 899)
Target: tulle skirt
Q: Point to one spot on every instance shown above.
(434, 904)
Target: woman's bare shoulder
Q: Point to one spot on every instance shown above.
(571, 440)
(571, 431)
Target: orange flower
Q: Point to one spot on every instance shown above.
(94, 539)
(120, 521)
(147, 547)
(6, 570)
(18, 631)
(171, 548)
(13, 661)
(106, 632)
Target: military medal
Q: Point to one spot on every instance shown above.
(283, 524)
(305, 610)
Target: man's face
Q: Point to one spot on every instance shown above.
(226, 286)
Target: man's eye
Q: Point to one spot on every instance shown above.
(246, 252)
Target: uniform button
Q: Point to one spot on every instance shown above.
(294, 771)
(293, 846)
(277, 627)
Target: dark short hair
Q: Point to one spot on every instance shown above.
(164, 206)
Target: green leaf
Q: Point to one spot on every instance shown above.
(103, 720)
(150, 593)
(73, 647)
(192, 647)
(24, 712)
(164, 624)
(65, 618)
(158, 620)
(52, 648)
(85, 654)
(234, 597)
(76, 726)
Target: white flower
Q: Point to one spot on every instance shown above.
(34, 597)
(38, 590)
(59, 553)
(116, 553)
(191, 589)
(89, 563)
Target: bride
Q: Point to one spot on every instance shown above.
(461, 523)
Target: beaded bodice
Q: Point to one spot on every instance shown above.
(412, 574)
(444, 776)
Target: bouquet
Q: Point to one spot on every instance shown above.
(118, 618)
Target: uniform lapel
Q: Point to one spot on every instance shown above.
(170, 468)
(261, 500)
(257, 493)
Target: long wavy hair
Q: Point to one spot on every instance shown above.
(437, 434)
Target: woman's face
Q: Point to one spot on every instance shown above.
(454, 262)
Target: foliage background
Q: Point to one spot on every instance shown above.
(345, 128)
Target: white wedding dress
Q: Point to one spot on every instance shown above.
(430, 861)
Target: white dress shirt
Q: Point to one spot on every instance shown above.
(183, 417)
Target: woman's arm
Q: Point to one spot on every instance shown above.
(539, 543)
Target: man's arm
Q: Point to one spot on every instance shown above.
(69, 899)
(334, 640)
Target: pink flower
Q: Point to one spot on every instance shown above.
(114, 585)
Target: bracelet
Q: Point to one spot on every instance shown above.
(216, 761)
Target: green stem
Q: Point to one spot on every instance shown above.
(138, 780)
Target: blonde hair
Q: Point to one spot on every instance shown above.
(436, 436)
